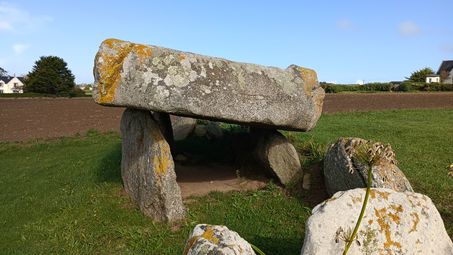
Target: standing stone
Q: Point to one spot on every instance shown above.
(393, 223)
(213, 130)
(339, 163)
(212, 239)
(147, 167)
(164, 122)
(277, 154)
(182, 127)
(187, 84)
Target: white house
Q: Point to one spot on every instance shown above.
(432, 78)
(11, 84)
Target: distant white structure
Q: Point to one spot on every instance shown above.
(360, 82)
(432, 78)
(11, 84)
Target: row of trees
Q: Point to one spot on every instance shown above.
(50, 75)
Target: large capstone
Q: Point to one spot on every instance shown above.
(187, 84)
(342, 171)
(393, 223)
(147, 167)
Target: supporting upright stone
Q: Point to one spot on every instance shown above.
(147, 167)
(164, 122)
(276, 154)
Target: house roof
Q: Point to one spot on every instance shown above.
(446, 65)
(8, 78)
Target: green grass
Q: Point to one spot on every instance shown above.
(65, 196)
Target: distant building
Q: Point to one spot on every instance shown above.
(445, 72)
(432, 78)
(11, 84)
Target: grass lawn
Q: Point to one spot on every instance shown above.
(65, 196)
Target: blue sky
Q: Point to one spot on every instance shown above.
(344, 41)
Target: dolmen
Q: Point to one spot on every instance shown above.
(153, 82)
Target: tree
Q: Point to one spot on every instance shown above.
(3, 72)
(420, 75)
(50, 75)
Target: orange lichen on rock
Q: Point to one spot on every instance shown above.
(384, 225)
(162, 154)
(416, 220)
(208, 235)
(383, 194)
(310, 79)
(109, 65)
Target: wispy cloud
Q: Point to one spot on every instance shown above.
(20, 48)
(344, 25)
(13, 19)
(409, 29)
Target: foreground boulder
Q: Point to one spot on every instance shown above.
(343, 172)
(187, 84)
(147, 167)
(394, 223)
(211, 239)
(275, 153)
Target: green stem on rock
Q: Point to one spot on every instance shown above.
(260, 252)
(362, 212)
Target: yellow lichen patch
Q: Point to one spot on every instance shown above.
(383, 194)
(356, 199)
(209, 235)
(382, 217)
(162, 155)
(310, 79)
(397, 208)
(416, 220)
(162, 160)
(109, 65)
(142, 51)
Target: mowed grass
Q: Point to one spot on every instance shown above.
(65, 196)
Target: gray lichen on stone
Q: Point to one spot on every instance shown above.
(208, 87)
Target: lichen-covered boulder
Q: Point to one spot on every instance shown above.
(276, 154)
(187, 84)
(394, 223)
(182, 127)
(343, 172)
(213, 239)
(147, 167)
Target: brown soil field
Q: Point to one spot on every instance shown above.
(30, 118)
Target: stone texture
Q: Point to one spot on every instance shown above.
(192, 85)
(212, 239)
(147, 167)
(394, 223)
(339, 162)
(182, 127)
(200, 130)
(276, 154)
(213, 130)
